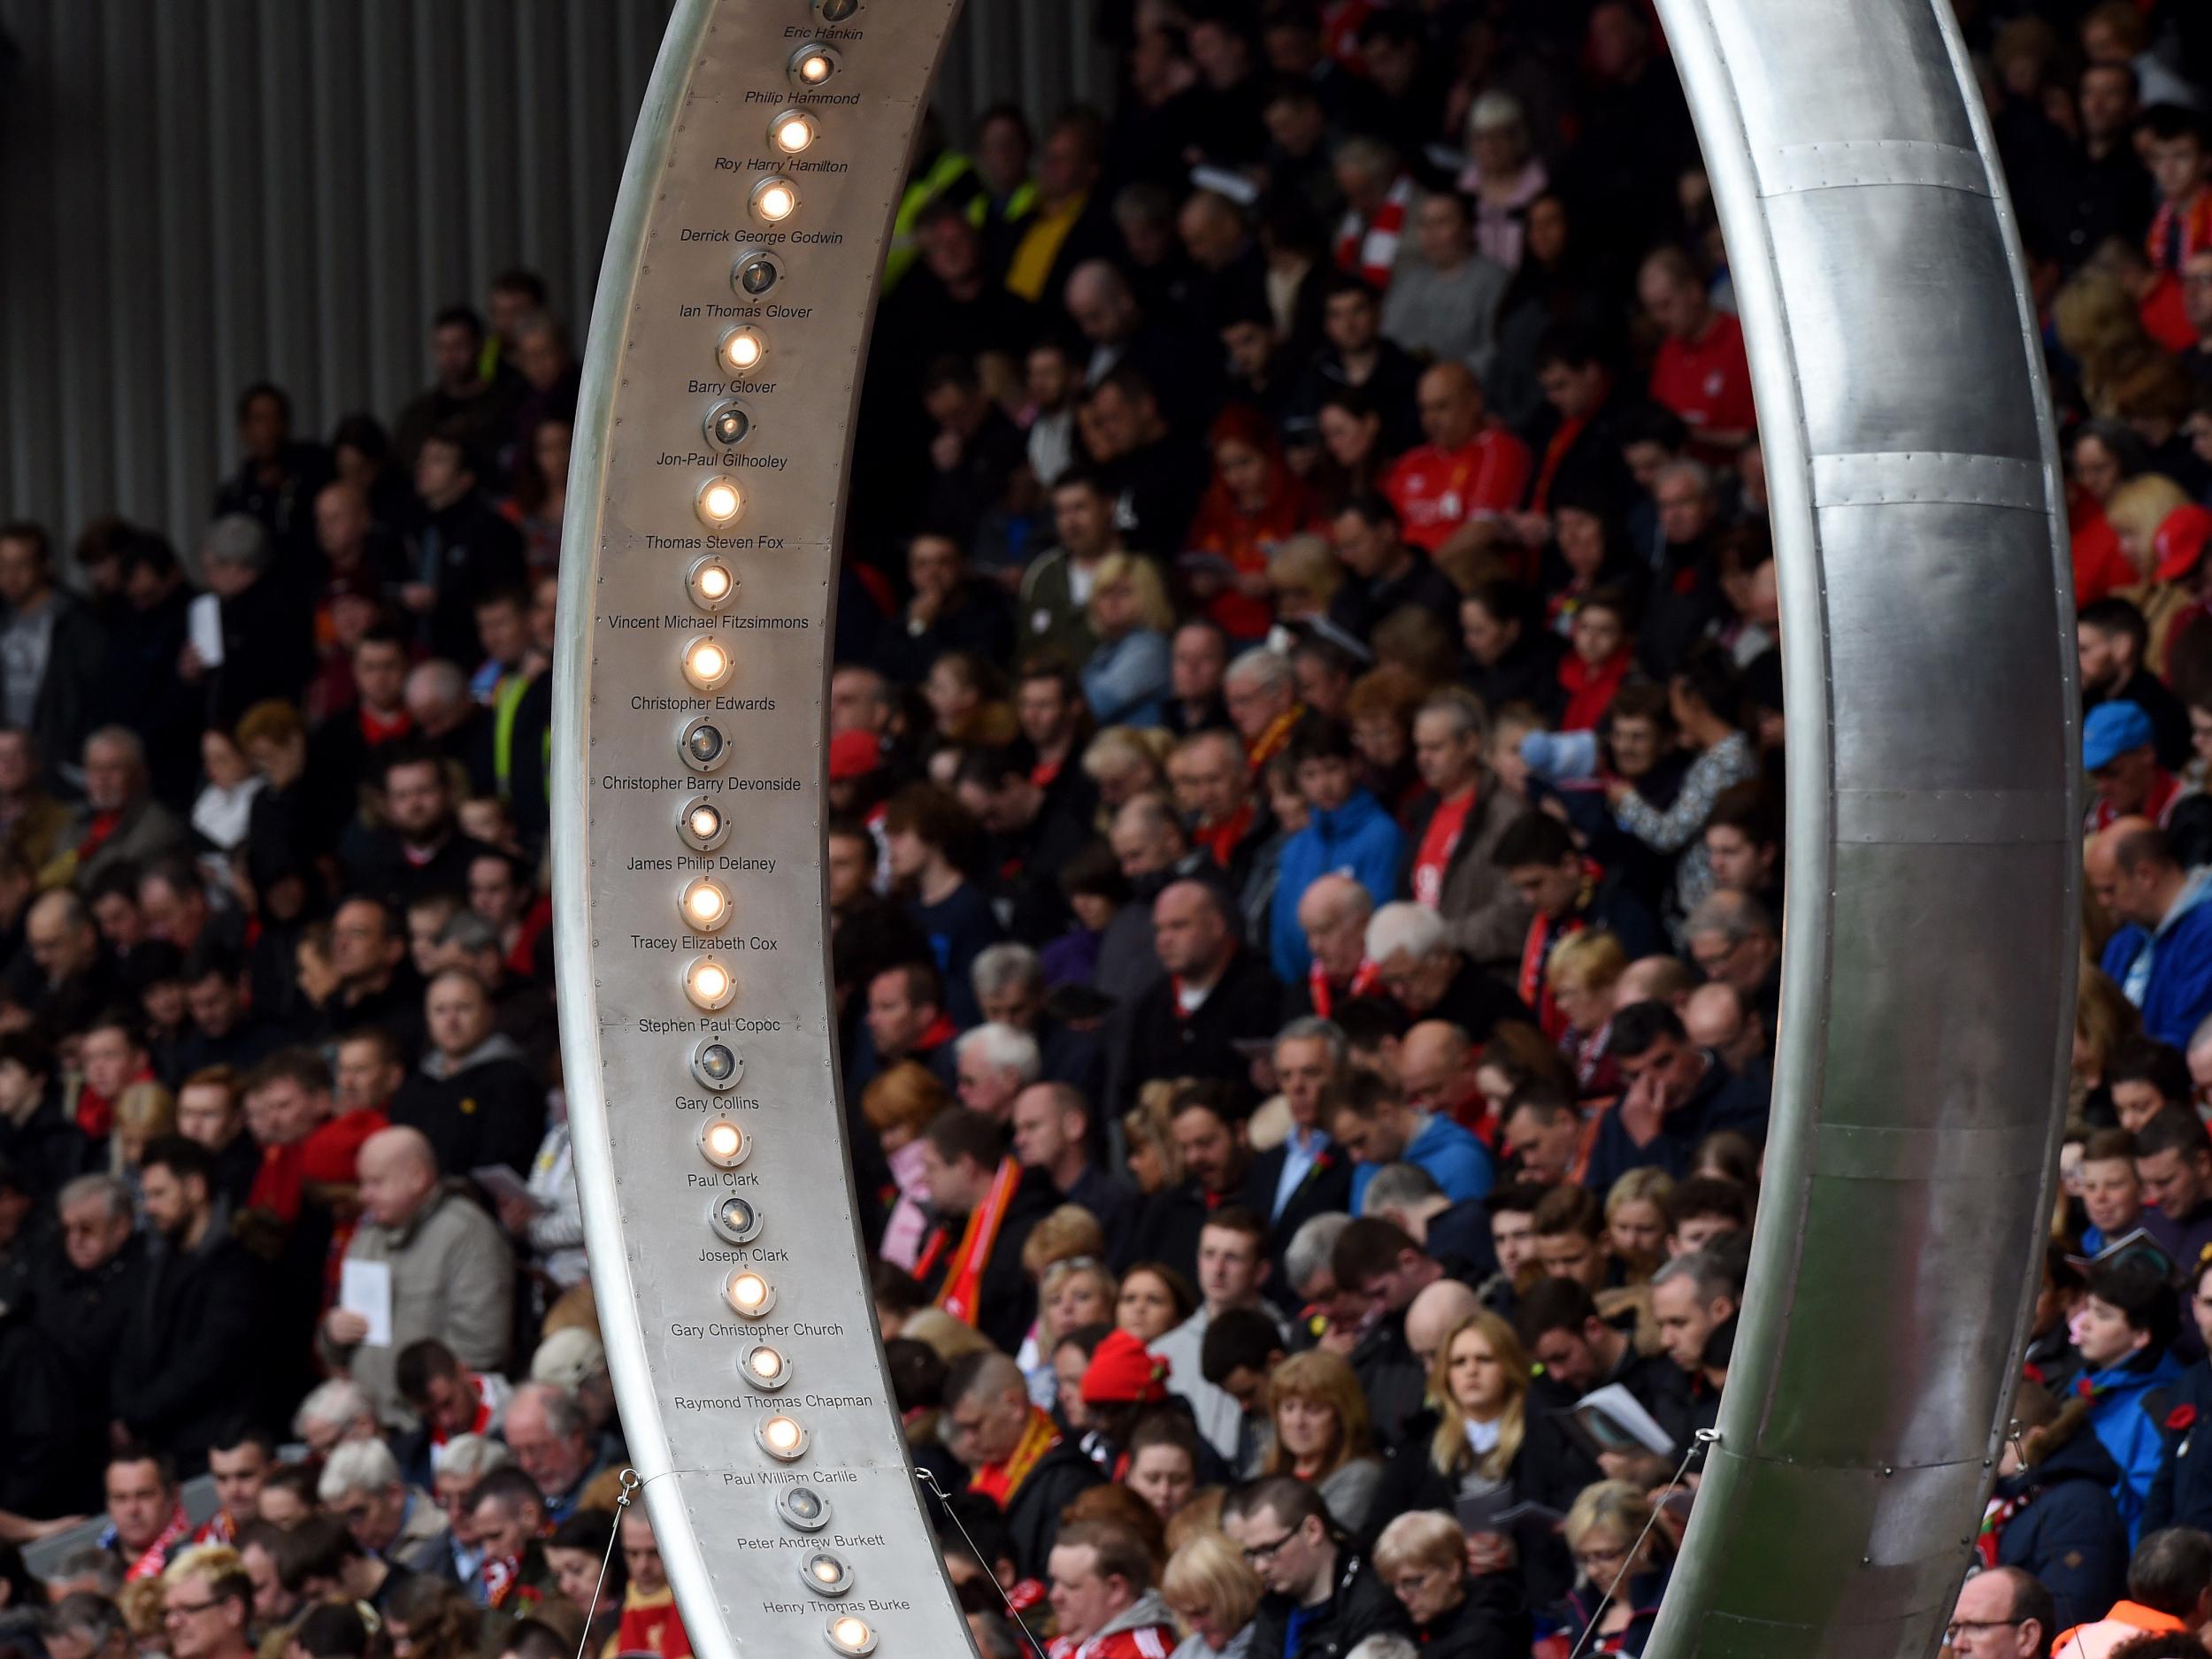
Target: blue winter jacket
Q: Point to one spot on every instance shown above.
(2068, 1532)
(2178, 993)
(1460, 1163)
(1359, 839)
(2128, 1408)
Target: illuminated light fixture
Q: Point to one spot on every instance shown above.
(711, 583)
(742, 350)
(850, 1634)
(805, 1508)
(702, 824)
(826, 1575)
(728, 425)
(706, 663)
(792, 131)
(724, 1143)
(764, 1368)
(705, 905)
(813, 65)
(709, 984)
(703, 746)
(718, 1065)
(748, 1293)
(735, 1218)
(719, 501)
(837, 10)
(756, 273)
(774, 200)
(782, 1437)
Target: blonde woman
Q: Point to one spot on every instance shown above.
(1619, 1577)
(1318, 1415)
(1422, 1558)
(143, 1110)
(898, 1104)
(1213, 1590)
(1126, 680)
(1583, 975)
(2136, 511)
(1154, 1162)
(1124, 764)
(1488, 1444)
(1073, 1290)
(1636, 1222)
(1303, 574)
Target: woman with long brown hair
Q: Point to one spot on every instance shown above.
(1319, 1415)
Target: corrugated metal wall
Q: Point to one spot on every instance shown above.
(198, 193)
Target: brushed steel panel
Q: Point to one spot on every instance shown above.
(1931, 608)
(1934, 366)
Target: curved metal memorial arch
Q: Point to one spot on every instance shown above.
(1928, 961)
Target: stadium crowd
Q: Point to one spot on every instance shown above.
(1305, 871)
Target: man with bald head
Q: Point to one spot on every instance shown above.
(2162, 957)
(1333, 913)
(73, 979)
(1471, 470)
(446, 1271)
(1214, 993)
(1718, 1018)
(1436, 1072)
(1435, 1313)
(1014, 1452)
(1667, 979)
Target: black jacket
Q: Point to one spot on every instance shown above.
(46, 1148)
(1392, 1377)
(1721, 1100)
(69, 694)
(188, 1347)
(1008, 1303)
(1491, 1618)
(1327, 1186)
(1360, 1605)
(1164, 1043)
(474, 552)
(491, 1111)
(1033, 1519)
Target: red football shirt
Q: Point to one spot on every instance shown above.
(1707, 382)
(1436, 491)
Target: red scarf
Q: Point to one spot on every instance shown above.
(963, 1289)
(482, 1422)
(154, 1556)
(2195, 224)
(1544, 934)
(1365, 977)
(999, 1482)
(1590, 689)
(1270, 742)
(1220, 840)
(1554, 452)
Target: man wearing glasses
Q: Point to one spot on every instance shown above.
(1323, 1599)
(2001, 1614)
(207, 1601)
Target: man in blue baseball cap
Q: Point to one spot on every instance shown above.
(2118, 751)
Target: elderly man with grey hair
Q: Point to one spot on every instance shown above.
(993, 1063)
(334, 1413)
(1732, 939)
(1261, 696)
(264, 644)
(1009, 979)
(361, 1485)
(461, 1462)
(121, 825)
(550, 1436)
(1429, 979)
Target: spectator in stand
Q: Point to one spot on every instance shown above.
(1701, 373)
(474, 1098)
(1443, 305)
(984, 1204)
(1323, 1596)
(361, 1485)
(1015, 1454)
(1345, 829)
(450, 1269)
(1214, 994)
(1676, 1094)
(2162, 955)
(182, 1349)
